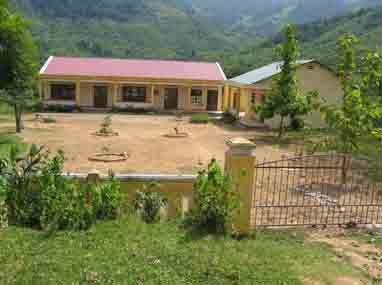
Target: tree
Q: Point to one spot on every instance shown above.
(371, 75)
(284, 98)
(355, 119)
(18, 58)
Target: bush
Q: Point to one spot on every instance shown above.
(131, 109)
(3, 206)
(39, 196)
(60, 108)
(148, 203)
(229, 118)
(215, 200)
(297, 124)
(201, 118)
(111, 199)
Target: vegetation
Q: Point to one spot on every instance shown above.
(38, 196)
(215, 200)
(127, 251)
(355, 118)
(18, 57)
(285, 99)
(148, 203)
(200, 118)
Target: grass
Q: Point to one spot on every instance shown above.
(130, 252)
(7, 139)
(200, 118)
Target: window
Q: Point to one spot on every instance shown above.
(65, 92)
(134, 94)
(197, 97)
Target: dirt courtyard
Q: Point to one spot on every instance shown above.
(142, 137)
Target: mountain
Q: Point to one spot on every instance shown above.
(318, 40)
(235, 33)
(259, 18)
(121, 28)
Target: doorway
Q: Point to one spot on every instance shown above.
(171, 98)
(100, 96)
(212, 100)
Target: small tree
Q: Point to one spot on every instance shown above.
(354, 119)
(215, 200)
(371, 75)
(284, 99)
(18, 67)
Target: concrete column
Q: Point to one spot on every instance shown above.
(205, 92)
(232, 98)
(226, 98)
(240, 164)
(40, 90)
(220, 99)
(115, 95)
(152, 93)
(78, 93)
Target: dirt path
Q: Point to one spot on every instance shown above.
(366, 257)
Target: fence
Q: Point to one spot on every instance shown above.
(317, 190)
(299, 191)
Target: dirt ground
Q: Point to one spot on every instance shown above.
(142, 137)
(364, 256)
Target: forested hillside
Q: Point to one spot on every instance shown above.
(235, 33)
(122, 28)
(318, 40)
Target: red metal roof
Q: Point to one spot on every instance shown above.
(133, 68)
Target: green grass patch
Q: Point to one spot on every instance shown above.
(7, 139)
(200, 118)
(128, 251)
(5, 108)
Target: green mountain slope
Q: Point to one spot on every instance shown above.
(318, 40)
(121, 28)
(231, 32)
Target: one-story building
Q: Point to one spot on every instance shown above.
(102, 84)
(252, 86)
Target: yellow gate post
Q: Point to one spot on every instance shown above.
(240, 164)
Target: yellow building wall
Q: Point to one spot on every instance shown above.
(317, 78)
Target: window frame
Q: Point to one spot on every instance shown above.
(196, 99)
(63, 92)
(126, 97)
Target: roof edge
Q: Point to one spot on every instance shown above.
(221, 71)
(45, 66)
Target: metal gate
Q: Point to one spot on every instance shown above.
(317, 190)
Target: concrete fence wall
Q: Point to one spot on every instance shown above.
(178, 189)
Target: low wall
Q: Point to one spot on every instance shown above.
(176, 188)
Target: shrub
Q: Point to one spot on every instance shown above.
(3, 206)
(201, 118)
(22, 195)
(60, 108)
(297, 124)
(148, 203)
(132, 109)
(111, 199)
(229, 118)
(215, 200)
(39, 196)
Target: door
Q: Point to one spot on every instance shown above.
(100, 96)
(171, 98)
(212, 100)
